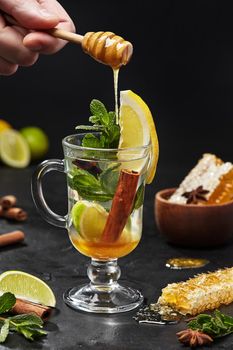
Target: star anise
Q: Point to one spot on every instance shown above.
(194, 196)
(193, 338)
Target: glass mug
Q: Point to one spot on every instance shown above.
(102, 185)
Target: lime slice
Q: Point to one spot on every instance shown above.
(89, 220)
(138, 127)
(26, 286)
(14, 150)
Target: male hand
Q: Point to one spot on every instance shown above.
(20, 45)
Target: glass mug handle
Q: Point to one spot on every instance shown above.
(37, 191)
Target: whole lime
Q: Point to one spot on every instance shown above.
(37, 140)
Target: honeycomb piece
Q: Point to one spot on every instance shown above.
(210, 175)
(206, 291)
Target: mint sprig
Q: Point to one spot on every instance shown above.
(100, 188)
(104, 123)
(29, 325)
(218, 325)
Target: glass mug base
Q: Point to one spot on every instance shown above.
(102, 300)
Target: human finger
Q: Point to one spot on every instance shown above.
(31, 14)
(44, 43)
(7, 68)
(12, 48)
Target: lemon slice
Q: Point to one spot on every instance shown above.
(14, 150)
(26, 286)
(89, 220)
(138, 127)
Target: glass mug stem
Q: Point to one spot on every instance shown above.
(37, 192)
(103, 274)
(103, 294)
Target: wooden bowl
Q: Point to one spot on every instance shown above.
(191, 225)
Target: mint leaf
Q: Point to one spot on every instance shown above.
(86, 181)
(109, 179)
(26, 320)
(217, 326)
(83, 179)
(112, 118)
(98, 109)
(27, 333)
(103, 122)
(114, 135)
(94, 119)
(228, 320)
(4, 331)
(139, 198)
(90, 127)
(87, 186)
(99, 196)
(7, 301)
(31, 332)
(92, 141)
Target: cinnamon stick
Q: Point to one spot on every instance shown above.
(14, 213)
(11, 238)
(122, 204)
(8, 201)
(26, 307)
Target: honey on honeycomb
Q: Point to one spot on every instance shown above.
(224, 191)
(206, 291)
(209, 182)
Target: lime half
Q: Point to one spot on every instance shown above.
(14, 150)
(26, 286)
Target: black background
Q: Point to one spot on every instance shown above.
(182, 67)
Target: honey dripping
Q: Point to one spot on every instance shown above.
(115, 82)
(112, 50)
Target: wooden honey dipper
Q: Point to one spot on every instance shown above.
(105, 47)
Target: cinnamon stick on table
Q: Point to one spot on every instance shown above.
(14, 213)
(11, 238)
(26, 307)
(8, 201)
(122, 204)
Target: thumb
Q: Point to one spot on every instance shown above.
(29, 13)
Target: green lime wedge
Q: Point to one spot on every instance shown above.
(14, 150)
(26, 286)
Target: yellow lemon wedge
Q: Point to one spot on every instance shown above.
(138, 127)
(26, 286)
(14, 150)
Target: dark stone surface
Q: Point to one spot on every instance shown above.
(48, 254)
